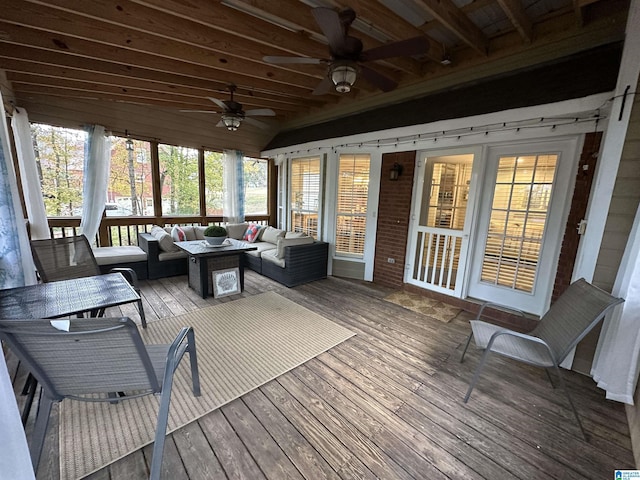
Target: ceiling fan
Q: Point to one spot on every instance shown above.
(233, 115)
(347, 56)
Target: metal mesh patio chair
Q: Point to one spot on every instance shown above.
(96, 357)
(569, 319)
(72, 257)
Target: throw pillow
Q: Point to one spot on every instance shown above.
(190, 232)
(272, 235)
(251, 234)
(236, 230)
(165, 242)
(294, 235)
(178, 234)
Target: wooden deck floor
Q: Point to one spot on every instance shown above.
(386, 404)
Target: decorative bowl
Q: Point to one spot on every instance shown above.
(215, 240)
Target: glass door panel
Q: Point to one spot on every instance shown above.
(517, 220)
(440, 237)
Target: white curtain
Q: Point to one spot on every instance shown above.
(97, 160)
(615, 365)
(31, 187)
(233, 186)
(16, 269)
(279, 159)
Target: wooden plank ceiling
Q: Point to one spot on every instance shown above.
(173, 54)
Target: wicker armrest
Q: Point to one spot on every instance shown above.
(315, 254)
(150, 245)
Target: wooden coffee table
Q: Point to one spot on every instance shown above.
(204, 260)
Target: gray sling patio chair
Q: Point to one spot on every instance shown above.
(569, 319)
(97, 357)
(72, 257)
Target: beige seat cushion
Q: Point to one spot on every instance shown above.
(270, 256)
(287, 242)
(162, 256)
(115, 255)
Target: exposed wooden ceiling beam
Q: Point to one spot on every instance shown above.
(39, 58)
(105, 36)
(212, 13)
(513, 9)
(53, 75)
(92, 50)
(452, 18)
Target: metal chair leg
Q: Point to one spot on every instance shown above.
(573, 407)
(40, 429)
(466, 346)
(143, 319)
(161, 429)
(549, 377)
(476, 374)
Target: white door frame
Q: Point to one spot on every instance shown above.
(538, 301)
(331, 191)
(444, 235)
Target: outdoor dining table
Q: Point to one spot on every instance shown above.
(73, 297)
(66, 297)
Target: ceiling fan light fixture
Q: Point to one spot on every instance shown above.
(231, 121)
(343, 76)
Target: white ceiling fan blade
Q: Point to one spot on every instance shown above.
(260, 112)
(304, 60)
(255, 122)
(199, 111)
(220, 103)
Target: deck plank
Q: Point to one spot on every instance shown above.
(230, 452)
(269, 456)
(192, 445)
(386, 403)
(294, 445)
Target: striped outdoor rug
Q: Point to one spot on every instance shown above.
(241, 345)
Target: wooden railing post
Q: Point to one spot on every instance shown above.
(103, 231)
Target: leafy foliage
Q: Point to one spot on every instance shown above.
(60, 160)
(215, 231)
(60, 156)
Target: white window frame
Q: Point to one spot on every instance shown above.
(289, 195)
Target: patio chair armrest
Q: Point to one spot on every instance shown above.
(128, 273)
(523, 336)
(179, 345)
(498, 306)
(184, 341)
(513, 333)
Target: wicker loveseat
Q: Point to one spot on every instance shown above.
(287, 257)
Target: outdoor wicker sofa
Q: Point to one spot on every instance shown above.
(286, 257)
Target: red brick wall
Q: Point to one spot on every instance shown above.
(393, 219)
(571, 238)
